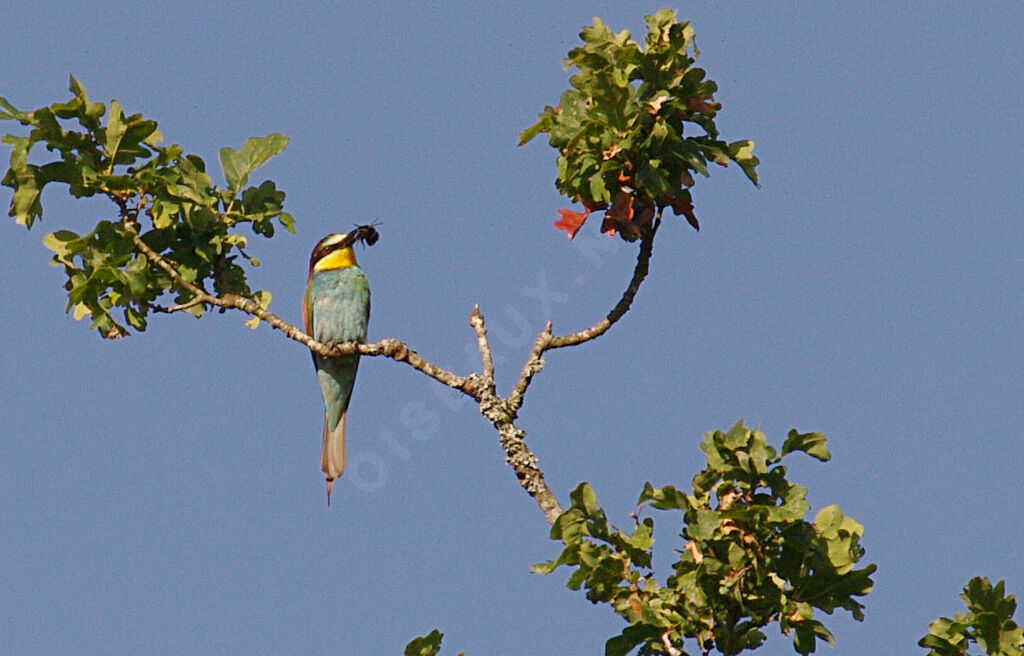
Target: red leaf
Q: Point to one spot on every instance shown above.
(683, 204)
(571, 221)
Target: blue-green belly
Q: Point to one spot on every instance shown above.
(340, 302)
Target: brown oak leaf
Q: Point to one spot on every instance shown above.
(619, 217)
(683, 204)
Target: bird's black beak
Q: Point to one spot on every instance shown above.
(349, 240)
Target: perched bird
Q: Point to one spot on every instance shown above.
(336, 308)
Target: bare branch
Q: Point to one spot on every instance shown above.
(617, 312)
(524, 463)
(533, 365)
(518, 454)
(399, 352)
(546, 340)
(502, 412)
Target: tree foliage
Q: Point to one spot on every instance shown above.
(636, 125)
(191, 222)
(749, 558)
(987, 623)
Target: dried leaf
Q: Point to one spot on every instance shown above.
(643, 213)
(695, 553)
(611, 151)
(654, 106)
(729, 499)
(619, 218)
(700, 104)
(115, 332)
(683, 204)
(571, 221)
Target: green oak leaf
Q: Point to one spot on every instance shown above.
(238, 164)
(427, 645)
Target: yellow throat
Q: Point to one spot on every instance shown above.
(339, 259)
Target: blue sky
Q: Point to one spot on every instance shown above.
(162, 494)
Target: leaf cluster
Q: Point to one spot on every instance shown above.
(749, 557)
(191, 223)
(428, 645)
(636, 125)
(987, 622)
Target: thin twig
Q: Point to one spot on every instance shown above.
(476, 320)
(183, 306)
(546, 340)
(639, 273)
(670, 649)
(533, 366)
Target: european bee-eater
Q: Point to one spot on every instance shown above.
(336, 308)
